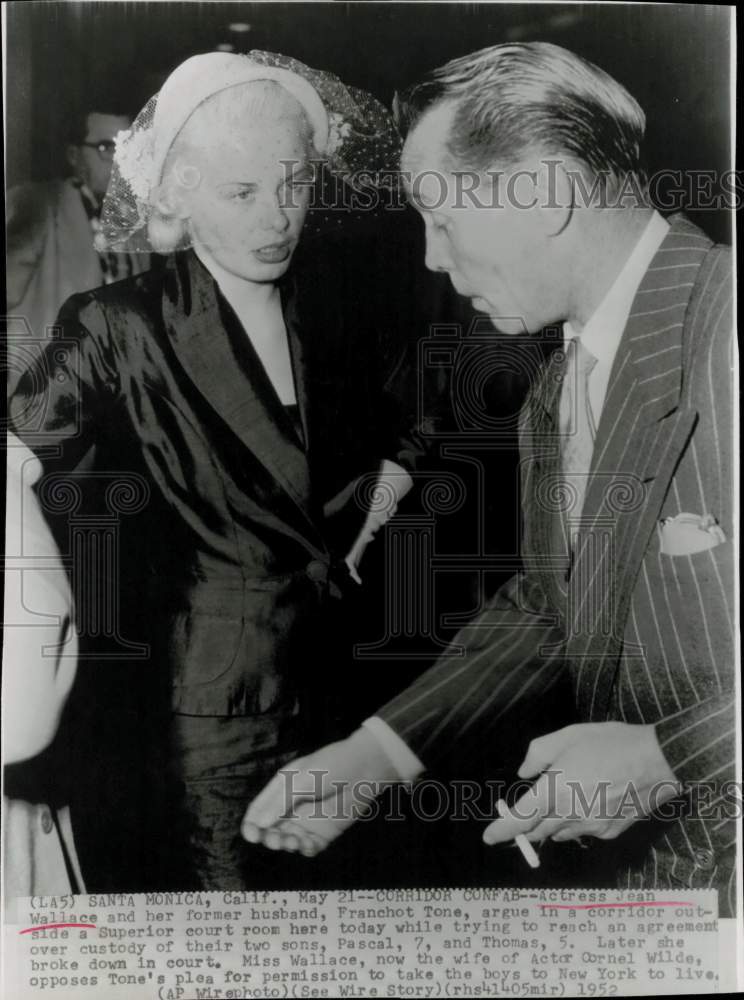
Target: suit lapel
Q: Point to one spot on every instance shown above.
(641, 435)
(191, 311)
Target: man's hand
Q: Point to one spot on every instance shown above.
(594, 779)
(311, 801)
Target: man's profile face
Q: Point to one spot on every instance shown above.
(92, 167)
(496, 250)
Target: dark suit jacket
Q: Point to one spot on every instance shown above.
(645, 637)
(225, 560)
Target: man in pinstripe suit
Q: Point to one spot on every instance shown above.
(626, 446)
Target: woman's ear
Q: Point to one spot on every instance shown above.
(166, 226)
(169, 202)
(166, 233)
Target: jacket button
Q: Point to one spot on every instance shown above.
(45, 818)
(317, 571)
(704, 858)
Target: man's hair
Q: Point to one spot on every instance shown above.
(77, 123)
(514, 97)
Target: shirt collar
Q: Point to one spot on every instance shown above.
(603, 331)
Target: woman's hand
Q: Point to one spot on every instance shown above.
(393, 483)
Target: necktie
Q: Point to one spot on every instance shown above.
(577, 427)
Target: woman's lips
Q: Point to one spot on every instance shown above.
(274, 253)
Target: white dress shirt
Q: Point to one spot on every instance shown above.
(601, 335)
(603, 331)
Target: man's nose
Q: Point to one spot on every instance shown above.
(437, 257)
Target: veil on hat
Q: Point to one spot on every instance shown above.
(353, 133)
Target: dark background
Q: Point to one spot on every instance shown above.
(674, 58)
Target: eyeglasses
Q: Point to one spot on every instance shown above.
(105, 148)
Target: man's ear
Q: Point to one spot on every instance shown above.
(555, 191)
(72, 155)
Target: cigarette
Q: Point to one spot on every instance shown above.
(528, 851)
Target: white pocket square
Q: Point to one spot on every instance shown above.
(686, 534)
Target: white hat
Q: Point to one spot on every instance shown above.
(353, 134)
(203, 76)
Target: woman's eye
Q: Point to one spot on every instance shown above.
(239, 193)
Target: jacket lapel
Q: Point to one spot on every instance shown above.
(249, 407)
(641, 435)
(299, 358)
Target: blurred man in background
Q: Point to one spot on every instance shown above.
(51, 226)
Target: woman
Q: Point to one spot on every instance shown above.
(233, 400)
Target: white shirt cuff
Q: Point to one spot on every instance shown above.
(403, 759)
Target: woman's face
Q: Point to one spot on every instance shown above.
(247, 198)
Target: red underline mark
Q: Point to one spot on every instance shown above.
(48, 927)
(593, 906)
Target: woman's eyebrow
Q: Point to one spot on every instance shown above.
(304, 170)
(239, 184)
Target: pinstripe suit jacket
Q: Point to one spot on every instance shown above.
(646, 637)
